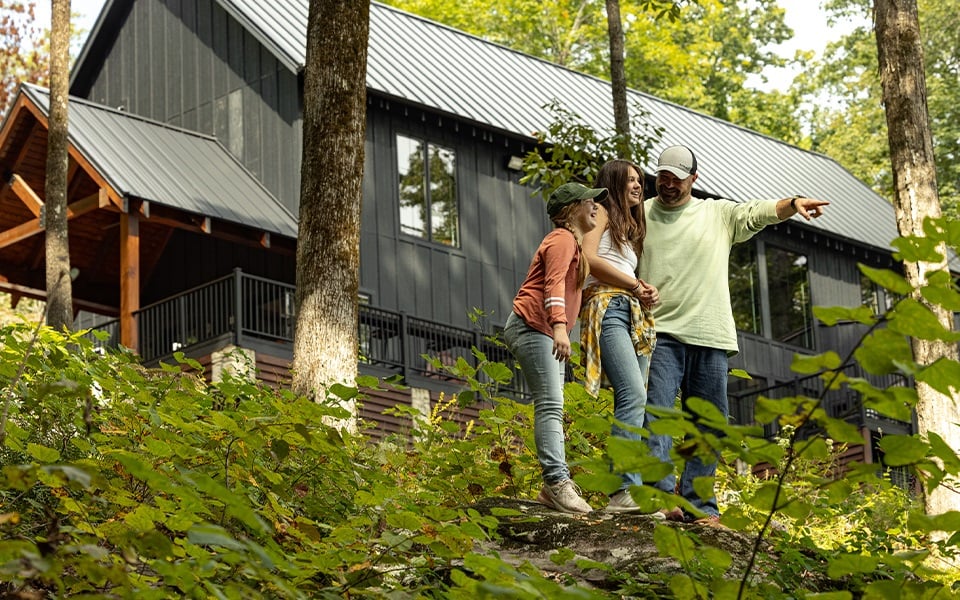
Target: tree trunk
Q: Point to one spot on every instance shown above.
(59, 288)
(325, 349)
(915, 181)
(618, 79)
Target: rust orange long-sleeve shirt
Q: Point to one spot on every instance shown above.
(549, 294)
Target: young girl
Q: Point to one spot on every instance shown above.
(617, 333)
(538, 333)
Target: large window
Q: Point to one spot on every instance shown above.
(770, 293)
(791, 315)
(745, 288)
(428, 191)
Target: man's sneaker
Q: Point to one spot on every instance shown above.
(565, 497)
(672, 514)
(710, 521)
(622, 502)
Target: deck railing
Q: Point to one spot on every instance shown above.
(246, 310)
(843, 403)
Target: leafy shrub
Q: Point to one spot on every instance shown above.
(119, 481)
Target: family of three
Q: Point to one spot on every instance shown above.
(648, 281)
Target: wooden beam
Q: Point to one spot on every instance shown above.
(34, 226)
(89, 204)
(26, 194)
(129, 278)
(20, 232)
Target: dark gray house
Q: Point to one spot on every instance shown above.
(185, 133)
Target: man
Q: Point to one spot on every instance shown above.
(685, 256)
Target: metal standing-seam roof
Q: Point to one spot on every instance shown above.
(169, 166)
(428, 64)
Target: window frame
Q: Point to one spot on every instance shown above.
(762, 250)
(428, 186)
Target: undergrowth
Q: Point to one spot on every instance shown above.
(119, 481)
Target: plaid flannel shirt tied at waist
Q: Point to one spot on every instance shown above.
(596, 298)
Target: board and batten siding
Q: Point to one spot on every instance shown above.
(500, 224)
(187, 63)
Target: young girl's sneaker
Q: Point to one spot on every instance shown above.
(565, 497)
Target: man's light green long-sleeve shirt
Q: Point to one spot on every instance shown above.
(686, 256)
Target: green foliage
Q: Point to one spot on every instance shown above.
(697, 53)
(851, 127)
(570, 150)
(120, 481)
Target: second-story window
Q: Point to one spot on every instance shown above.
(770, 293)
(745, 288)
(428, 191)
(791, 318)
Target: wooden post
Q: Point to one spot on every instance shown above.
(129, 277)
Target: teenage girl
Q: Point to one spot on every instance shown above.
(617, 331)
(538, 332)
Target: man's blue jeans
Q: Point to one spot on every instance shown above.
(627, 373)
(691, 371)
(544, 376)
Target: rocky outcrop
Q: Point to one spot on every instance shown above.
(532, 533)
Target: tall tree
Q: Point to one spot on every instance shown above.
(849, 125)
(22, 54)
(618, 79)
(325, 347)
(900, 57)
(59, 284)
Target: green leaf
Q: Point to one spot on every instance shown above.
(42, 453)
(946, 297)
(280, 448)
(73, 474)
(808, 365)
(405, 519)
(900, 450)
(707, 411)
(882, 351)
(948, 521)
(943, 375)
(838, 491)
(212, 535)
(141, 519)
(850, 564)
(940, 449)
(594, 424)
(835, 314)
(894, 402)
(828, 596)
(367, 382)
(602, 481)
(813, 448)
(913, 319)
(766, 410)
(344, 392)
(917, 249)
(887, 279)
(797, 510)
(840, 431)
(562, 556)
(157, 447)
(673, 543)
(498, 372)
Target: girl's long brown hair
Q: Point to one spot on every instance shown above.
(563, 220)
(627, 225)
